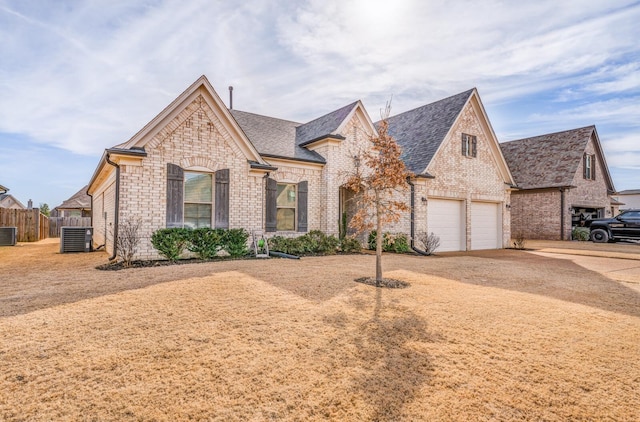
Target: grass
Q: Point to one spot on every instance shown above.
(238, 343)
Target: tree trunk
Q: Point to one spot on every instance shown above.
(379, 236)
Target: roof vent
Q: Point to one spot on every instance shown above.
(76, 239)
(230, 97)
(8, 236)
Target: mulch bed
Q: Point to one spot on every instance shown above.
(388, 283)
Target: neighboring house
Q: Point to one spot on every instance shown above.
(79, 205)
(199, 164)
(629, 199)
(563, 180)
(463, 183)
(9, 201)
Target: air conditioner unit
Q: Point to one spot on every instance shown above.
(76, 239)
(8, 236)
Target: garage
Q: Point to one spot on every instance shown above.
(446, 219)
(486, 227)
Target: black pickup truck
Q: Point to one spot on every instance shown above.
(625, 225)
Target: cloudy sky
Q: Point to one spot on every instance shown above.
(77, 77)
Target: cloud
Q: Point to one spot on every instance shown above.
(88, 75)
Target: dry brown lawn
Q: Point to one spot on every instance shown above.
(499, 335)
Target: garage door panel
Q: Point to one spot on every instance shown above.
(486, 226)
(445, 218)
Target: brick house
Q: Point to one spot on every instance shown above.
(199, 163)
(465, 183)
(78, 205)
(563, 180)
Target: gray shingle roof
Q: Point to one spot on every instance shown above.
(546, 161)
(420, 131)
(629, 192)
(324, 125)
(80, 200)
(283, 138)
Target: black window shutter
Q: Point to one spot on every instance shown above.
(593, 167)
(175, 181)
(222, 199)
(474, 146)
(303, 189)
(270, 206)
(584, 166)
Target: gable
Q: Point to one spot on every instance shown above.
(167, 120)
(421, 131)
(481, 169)
(554, 159)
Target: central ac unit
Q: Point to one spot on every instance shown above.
(76, 239)
(8, 236)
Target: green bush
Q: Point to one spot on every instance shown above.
(170, 243)
(313, 243)
(234, 241)
(397, 243)
(350, 245)
(580, 233)
(205, 242)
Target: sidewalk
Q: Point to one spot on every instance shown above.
(622, 250)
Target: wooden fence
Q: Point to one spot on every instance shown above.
(56, 223)
(32, 224)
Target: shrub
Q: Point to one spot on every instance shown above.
(205, 242)
(234, 241)
(350, 245)
(580, 233)
(128, 240)
(430, 242)
(170, 243)
(519, 241)
(390, 242)
(313, 243)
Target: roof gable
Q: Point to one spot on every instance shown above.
(80, 200)
(287, 139)
(324, 125)
(201, 87)
(421, 131)
(551, 160)
(274, 137)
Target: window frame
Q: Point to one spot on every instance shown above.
(211, 203)
(589, 164)
(469, 145)
(294, 186)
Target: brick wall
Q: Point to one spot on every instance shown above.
(466, 178)
(537, 214)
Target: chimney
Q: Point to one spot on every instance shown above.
(230, 97)
(30, 204)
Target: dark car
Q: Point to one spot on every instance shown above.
(625, 225)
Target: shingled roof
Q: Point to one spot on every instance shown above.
(80, 200)
(284, 138)
(420, 131)
(547, 161)
(273, 137)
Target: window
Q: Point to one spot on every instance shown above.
(469, 145)
(286, 207)
(589, 167)
(198, 199)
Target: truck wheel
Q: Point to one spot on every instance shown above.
(599, 236)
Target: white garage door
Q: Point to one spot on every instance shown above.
(445, 218)
(486, 227)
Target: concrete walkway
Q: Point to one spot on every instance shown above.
(620, 250)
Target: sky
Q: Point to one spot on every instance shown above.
(77, 77)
